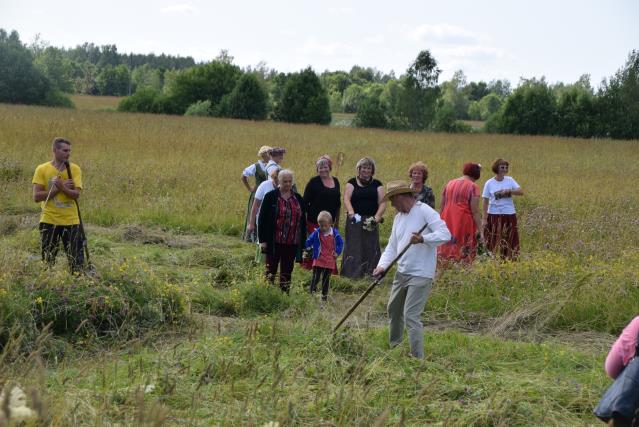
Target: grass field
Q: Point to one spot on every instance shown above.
(96, 103)
(207, 343)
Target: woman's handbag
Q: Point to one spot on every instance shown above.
(622, 397)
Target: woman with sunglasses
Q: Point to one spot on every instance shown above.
(500, 220)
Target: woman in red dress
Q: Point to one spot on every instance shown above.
(460, 210)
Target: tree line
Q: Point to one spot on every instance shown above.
(415, 100)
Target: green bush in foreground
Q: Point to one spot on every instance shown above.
(124, 302)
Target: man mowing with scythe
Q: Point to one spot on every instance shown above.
(58, 194)
(418, 228)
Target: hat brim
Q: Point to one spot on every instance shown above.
(397, 191)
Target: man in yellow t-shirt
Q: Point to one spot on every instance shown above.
(57, 195)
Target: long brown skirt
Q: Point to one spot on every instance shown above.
(502, 236)
(361, 251)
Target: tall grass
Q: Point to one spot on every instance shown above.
(183, 173)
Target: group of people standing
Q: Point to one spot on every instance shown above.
(284, 222)
(494, 228)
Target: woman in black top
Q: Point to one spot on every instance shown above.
(363, 199)
(322, 193)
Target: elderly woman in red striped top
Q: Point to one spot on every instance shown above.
(281, 229)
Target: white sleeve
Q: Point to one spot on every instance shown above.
(515, 185)
(390, 252)
(437, 232)
(249, 171)
(486, 192)
(261, 191)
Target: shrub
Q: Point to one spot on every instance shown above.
(199, 108)
(126, 301)
(304, 100)
(248, 100)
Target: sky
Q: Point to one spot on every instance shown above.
(487, 39)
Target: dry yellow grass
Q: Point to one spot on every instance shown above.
(96, 103)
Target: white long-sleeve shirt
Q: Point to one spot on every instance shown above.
(420, 259)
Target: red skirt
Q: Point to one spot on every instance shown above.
(502, 236)
(462, 246)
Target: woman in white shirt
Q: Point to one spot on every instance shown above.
(500, 220)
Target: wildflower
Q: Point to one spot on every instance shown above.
(39, 300)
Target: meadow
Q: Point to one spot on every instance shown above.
(181, 330)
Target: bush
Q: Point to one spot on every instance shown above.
(248, 100)
(247, 298)
(445, 120)
(372, 113)
(143, 101)
(304, 100)
(200, 108)
(125, 302)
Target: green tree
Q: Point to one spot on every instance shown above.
(352, 98)
(372, 113)
(204, 82)
(304, 100)
(489, 105)
(56, 67)
(618, 102)
(530, 110)
(21, 82)
(576, 114)
(454, 94)
(113, 80)
(146, 77)
(414, 105)
(248, 100)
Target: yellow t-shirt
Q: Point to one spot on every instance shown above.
(60, 209)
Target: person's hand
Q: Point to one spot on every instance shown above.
(416, 238)
(378, 271)
(69, 184)
(252, 189)
(263, 245)
(335, 254)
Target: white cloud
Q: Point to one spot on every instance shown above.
(474, 53)
(178, 8)
(443, 33)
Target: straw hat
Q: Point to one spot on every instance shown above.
(393, 188)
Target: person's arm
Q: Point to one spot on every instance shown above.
(516, 192)
(436, 233)
(381, 205)
(249, 171)
(348, 193)
(256, 206)
(484, 219)
(67, 187)
(40, 194)
(262, 222)
(246, 184)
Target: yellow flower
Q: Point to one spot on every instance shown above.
(39, 300)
